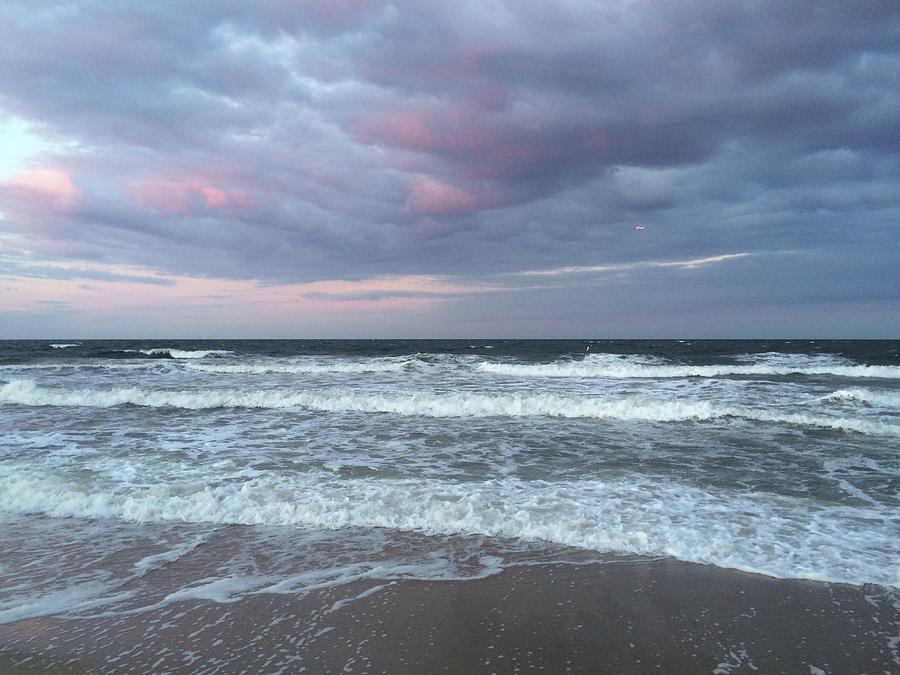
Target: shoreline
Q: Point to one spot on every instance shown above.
(628, 616)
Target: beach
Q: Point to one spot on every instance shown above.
(621, 616)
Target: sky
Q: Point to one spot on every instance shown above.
(450, 168)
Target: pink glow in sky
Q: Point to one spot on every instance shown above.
(132, 291)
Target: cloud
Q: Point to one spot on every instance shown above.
(430, 198)
(51, 186)
(178, 197)
(687, 264)
(11, 267)
(313, 141)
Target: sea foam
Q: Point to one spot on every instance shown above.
(888, 399)
(301, 368)
(460, 404)
(178, 353)
(624, 368)
(728, 529)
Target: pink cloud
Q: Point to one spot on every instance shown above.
(35, 204)
(463, 134)
(480, 146)
(405, 129)
(430, 197)
(458, 131)
(215, 198)
(182, 196)
(50, 183)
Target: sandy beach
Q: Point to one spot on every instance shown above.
(625, 616)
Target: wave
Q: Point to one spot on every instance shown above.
(624, 368)
(464, 404)
(64, 345)
(302, 368)
(887, 399)
(86, 364)
(847, 544)
(169, 352)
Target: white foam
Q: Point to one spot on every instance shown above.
(185, 354)
(92, 364)
(623, 367)
(71, 598)
(887, 399)
(754, 532)
(65, 345)
(461, 404)
(160, 560)
(232, 586)
(219, 589)
(371, 366)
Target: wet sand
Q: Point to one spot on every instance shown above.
(632, 616)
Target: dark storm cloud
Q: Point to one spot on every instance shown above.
(286, 141)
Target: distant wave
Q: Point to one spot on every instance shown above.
(627, 368)
(178, 353)
(87, 364)
(27, 392)
(322, 365)
(302, 368)
(65, 345)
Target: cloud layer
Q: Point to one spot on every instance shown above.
(283, 143)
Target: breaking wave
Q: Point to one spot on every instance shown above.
(462, 404)
(301, 368)
(643, 518)
(614, 367)
(887, 399)
(168, 352)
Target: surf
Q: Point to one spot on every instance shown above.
(460, 404)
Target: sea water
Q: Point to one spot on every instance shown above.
(285, 466)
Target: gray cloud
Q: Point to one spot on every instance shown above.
(321, 140)
(48, 272)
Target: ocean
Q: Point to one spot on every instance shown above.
(288, 466)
